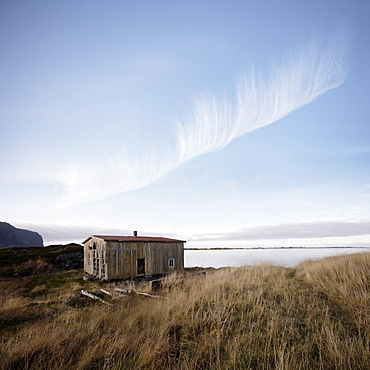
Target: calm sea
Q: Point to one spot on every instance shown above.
(242, 257)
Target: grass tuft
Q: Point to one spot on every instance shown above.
(313, 316)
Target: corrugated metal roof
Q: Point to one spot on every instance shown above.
(134, 239)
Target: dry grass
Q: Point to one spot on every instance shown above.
(314, 316)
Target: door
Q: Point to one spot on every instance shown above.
(140, 263)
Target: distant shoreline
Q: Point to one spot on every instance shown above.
(264, 248)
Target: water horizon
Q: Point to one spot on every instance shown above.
(283, 256)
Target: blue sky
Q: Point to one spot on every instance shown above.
(237, 123)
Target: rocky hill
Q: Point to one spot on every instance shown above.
(10, 236)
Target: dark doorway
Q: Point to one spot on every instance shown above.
(141, 266)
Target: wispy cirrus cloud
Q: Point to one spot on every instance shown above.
(260, 100)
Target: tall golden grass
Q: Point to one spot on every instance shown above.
(313, 316)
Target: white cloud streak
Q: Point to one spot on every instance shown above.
(62, 233)
(301, 230)
(259, 101)
(284, 231)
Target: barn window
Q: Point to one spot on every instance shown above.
(171, 262)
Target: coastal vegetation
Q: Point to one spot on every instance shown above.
(313, 316)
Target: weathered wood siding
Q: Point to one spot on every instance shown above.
(157, 256)
(118, 260)
(122, 258)
(95, 261)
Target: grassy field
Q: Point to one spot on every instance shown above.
(313, 316)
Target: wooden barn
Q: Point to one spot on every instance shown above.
(120, 257)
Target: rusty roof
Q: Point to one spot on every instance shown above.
(134, 239)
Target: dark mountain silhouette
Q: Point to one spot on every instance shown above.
(10, 236)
